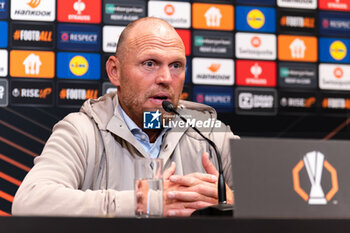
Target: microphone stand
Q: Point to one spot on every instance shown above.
(222, 208)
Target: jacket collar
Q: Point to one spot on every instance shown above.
(108, 117)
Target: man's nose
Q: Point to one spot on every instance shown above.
(164, 76)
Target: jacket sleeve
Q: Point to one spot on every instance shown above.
(52, 185)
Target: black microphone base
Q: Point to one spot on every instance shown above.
(215, 211)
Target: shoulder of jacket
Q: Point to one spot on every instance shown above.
(77, 118)
(184, 104)
(196, 110)
(100, 110)
(81, 122)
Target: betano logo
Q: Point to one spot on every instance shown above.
(338, 50)
(314, 163)
(297, 48)
(338, 72)
(169, 9)
(256, 19)
(33, 64)
(214, 67)
(34, 3)
(78, 65)
(212, 16)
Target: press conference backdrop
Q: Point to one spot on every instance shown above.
(250, 59)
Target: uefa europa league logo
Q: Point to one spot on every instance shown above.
(314, 166)
(314, 163)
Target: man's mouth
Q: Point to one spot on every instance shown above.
(160, 97)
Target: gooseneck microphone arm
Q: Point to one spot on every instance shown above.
(169, 107)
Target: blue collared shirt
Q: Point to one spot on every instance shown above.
(152, 149)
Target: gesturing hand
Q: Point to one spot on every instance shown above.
(184, 194)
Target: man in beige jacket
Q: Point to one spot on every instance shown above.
(86, 167)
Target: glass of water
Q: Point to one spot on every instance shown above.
(148, 187)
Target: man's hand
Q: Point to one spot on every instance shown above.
(185, 194)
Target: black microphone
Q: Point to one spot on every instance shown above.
(222, 208)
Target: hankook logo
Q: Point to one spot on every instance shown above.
(36, 10)
(314, 162)
(34, 3)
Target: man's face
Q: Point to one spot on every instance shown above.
(151, 71)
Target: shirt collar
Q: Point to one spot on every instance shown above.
(130, 123)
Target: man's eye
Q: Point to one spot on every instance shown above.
(176, 65)
(149, 63)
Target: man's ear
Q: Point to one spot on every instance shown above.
(113, 70)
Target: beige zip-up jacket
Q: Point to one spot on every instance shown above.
(86, 166)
